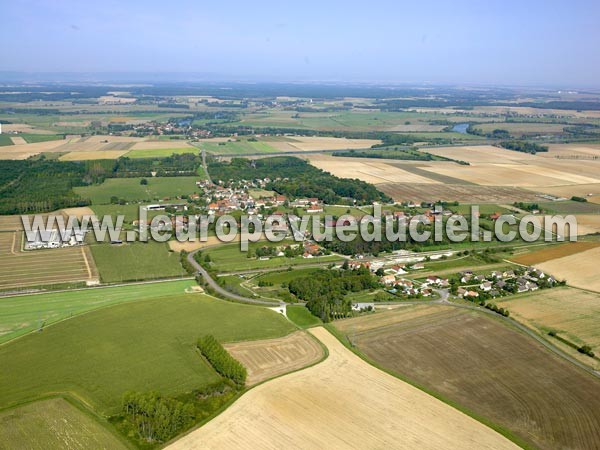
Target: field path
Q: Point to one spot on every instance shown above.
(342, 402)
(87, 264)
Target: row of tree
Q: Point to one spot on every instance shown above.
(524, 146)
(221, 360)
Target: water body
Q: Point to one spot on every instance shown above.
(460, 128)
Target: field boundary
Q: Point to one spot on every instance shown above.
(498, 428)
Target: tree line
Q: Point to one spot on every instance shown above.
(221, 360)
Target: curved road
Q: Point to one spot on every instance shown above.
(224, 292)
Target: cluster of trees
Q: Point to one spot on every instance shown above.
(221, 360)
(524, 146)
(498, 310)
(183, 165)
(266, 251)
(156, 418)
(41, 184)
(294, 177)
(579, 199)
(527, 206)
(37, 185)
(325, 291)
(407, 155)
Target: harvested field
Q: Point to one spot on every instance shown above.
(583, 151)
(77, 212)
(573, 313)
(23, 128)
(489, 368)
(494, 165)
(17, 140)
(310, 143)
(421, 170)
(553, 252)
(84, 156)
(588, 223)
(370, 170)
(579, 270)
(454, 192)
(522, 175)
(19, 269)
(581, 190)
(27, 150)
(54, 424)
(12, 223)
(322, 406)
(190, 246)
(480, 154)
(274, 357)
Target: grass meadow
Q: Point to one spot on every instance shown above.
(55, 424)
(302, 316)
(23, 314)
(136, 261)
(5, 140)
(145, 345)
(130, 189)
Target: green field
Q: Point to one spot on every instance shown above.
(229, 258)
(5, 140)
(130, 189)
(54, 424)
(136, 261)
(285, 276)
(237, 148)
(33, 138)
(159, 153)
(23, 314)
(302, 317)
(143, 346)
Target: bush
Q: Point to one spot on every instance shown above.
(222, 361)
(586, 350)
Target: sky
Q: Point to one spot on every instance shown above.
(529, 43)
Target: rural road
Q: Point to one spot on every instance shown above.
(225, 293)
